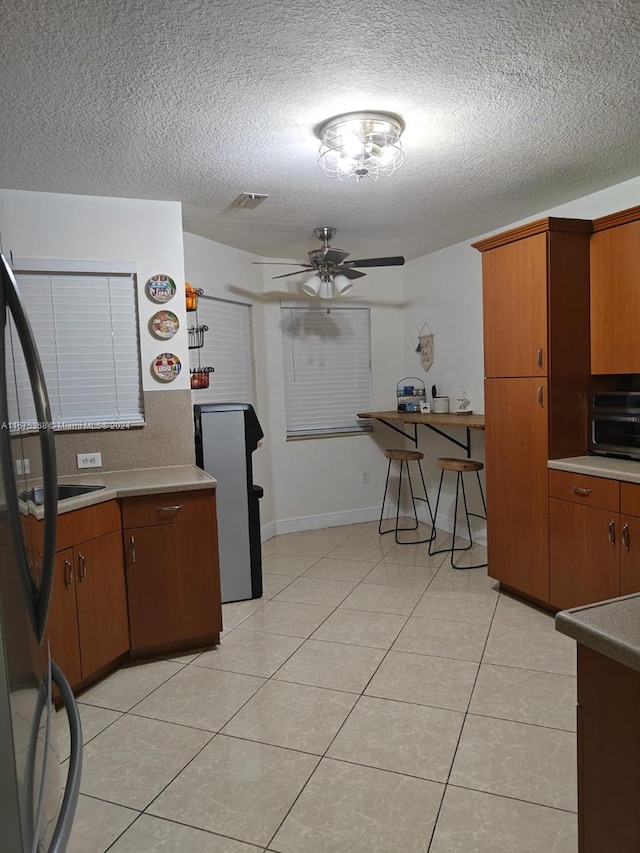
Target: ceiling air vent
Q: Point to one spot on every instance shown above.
(249, 200)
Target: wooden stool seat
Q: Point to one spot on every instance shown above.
(404, 455)
(459, 467)
(448, 464)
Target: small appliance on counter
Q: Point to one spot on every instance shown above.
(615, 424)
(226, 436)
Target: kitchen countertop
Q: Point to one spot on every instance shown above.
(609, 627)
(124, 484)
(599, 466)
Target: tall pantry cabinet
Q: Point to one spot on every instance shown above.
(535, 282)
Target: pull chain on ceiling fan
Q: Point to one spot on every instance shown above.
(333, 274)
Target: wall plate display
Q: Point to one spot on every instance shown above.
(166, 367)
(164, 325)
(160, 288)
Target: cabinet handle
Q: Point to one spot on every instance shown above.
(625, 536)
(612, 531)
(578, 490)
(541, 395)
(539, 357)
(68, 573)
(175, 508)
(83, 566)
(132, 543)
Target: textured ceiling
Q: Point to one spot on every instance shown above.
(510, 106)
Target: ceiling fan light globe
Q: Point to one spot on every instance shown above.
(312, 285)
(326, 290)
(342, 284)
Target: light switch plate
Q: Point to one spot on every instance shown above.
(89, 460)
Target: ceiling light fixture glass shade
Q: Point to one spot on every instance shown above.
(342, 285)
(312, 285)
(361, 145)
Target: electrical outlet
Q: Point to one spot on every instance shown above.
(89, 460)
(364, 477)
(23, 466)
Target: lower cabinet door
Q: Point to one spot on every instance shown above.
(62, 625)
(517, 484)
(102, 601)
(584, 553)
(173, 584)
(629, 555)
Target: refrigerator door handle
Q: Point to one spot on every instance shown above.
(47, 446)
(62, 831)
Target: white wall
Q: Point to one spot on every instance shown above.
(445, 289)
(215, 267)
(313, 482)
(73, 227)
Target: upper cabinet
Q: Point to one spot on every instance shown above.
(615, 293)
(535, 280)
(514, 299)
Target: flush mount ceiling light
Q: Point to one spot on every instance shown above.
(361, 145)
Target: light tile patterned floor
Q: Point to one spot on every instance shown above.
(373, 699)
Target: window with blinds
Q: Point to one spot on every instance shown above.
(327, 367)
(86, 330)
(228, 347)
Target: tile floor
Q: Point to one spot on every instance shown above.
(373, 700)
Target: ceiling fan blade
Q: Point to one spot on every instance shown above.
(396, 261)
(297, 272)
(334, 256)
(280, 263)
(349, 273)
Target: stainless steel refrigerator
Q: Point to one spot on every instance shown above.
(37, 805)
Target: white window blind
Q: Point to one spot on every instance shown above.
(86, 331)
(227, 348)
(327, 366)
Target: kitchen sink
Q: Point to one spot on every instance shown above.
(66, 490)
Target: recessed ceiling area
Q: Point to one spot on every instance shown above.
(510, 107)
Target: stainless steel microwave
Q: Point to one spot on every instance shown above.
(615, 424)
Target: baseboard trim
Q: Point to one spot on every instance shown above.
(355, 516)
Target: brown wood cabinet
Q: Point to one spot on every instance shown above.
(88, 623)
(173, 577)
(594, 539)
(615, 293)
(608, 755)
(536, 344)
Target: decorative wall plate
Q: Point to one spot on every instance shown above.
(166, 367)
(160, 288)
(164, 325)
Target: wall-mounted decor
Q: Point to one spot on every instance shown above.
(166, 367)
(160, 288)
(200, 377)
(425, 347)
(164, 325)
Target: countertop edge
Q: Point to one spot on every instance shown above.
(624, 470)
(606, 641)
(186, 478)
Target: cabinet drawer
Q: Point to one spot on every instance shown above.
(630, 498)
(80, 525)
(169, 508)
(583, 489)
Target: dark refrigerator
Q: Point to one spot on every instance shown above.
(226, 436)
(37, 805)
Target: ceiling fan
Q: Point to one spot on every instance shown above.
(332, 272)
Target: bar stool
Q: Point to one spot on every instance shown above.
(460, 466)
(404, 457)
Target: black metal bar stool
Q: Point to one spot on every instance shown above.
(460, 467)
(404, 457)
